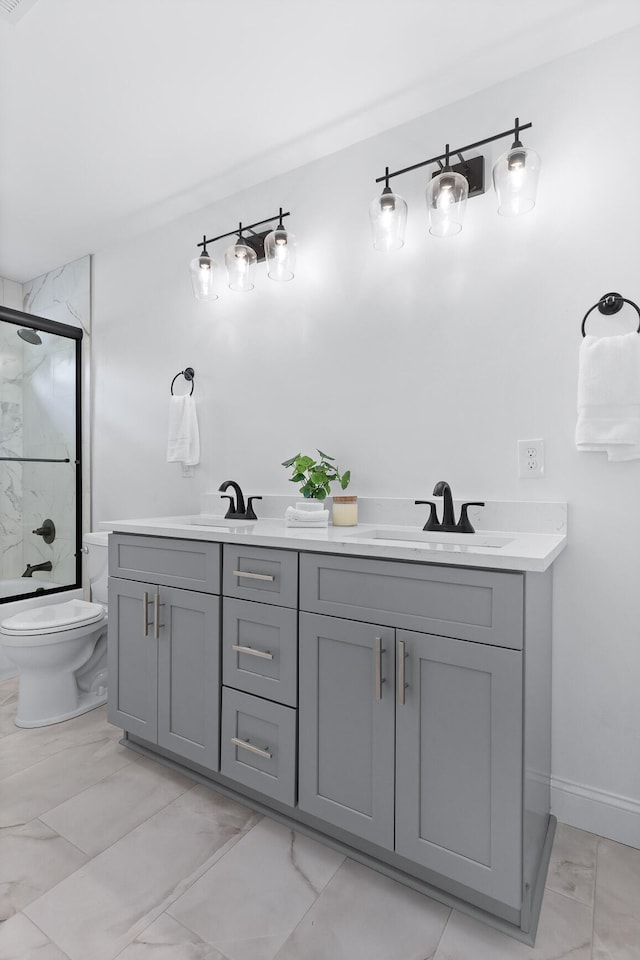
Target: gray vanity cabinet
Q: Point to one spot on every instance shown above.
(401, 709)
(413, 740)
(164, 648)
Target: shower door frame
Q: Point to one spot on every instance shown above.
(44, 325)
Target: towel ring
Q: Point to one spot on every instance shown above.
(188, 373)
(609, 304)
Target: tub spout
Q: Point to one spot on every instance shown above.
(31, 567)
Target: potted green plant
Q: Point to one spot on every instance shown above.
(316, 477)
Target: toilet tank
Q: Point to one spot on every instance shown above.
(96, 550)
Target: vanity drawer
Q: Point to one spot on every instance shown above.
(256, 573)
(260, 650)
(258, 747)
(191, 564)
(478, 605)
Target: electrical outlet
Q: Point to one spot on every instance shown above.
(530, 459)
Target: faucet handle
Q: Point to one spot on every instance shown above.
(464, 524)
(432, 522)
(226, 496)
(250, 512)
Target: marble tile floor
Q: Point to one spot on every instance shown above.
(105, 854)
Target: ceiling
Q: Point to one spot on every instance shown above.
(119, 115)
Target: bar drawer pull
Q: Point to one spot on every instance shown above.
(379, 679)
(146, 623)
(401, 681)
(250, 747)
(156, 611)
(253, 576)
(252, 653)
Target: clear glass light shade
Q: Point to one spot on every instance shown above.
(446, 203)
(388, 216)
(280, 251)
(203, 270)
(515, 180)
(241, 262)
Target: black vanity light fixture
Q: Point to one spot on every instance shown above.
(277, 246)
(515, 179)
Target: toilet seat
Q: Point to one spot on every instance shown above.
(53, 618)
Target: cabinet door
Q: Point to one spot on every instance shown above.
(189, 675)
(346, 725)
(132, 659)
(459, 770)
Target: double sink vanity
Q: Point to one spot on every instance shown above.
(383, 688)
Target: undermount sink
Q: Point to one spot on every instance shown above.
(432, 539)
(220, 523)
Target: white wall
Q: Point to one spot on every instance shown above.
(10, 294)
(424, 365)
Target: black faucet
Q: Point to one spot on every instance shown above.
(237, 509)
(31, 567)
(448, 524)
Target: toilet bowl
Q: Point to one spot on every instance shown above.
(60, 650)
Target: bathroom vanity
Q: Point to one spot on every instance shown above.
(390, 700)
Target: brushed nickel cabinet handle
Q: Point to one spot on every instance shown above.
(401, 683)
(156, 615)
(252, 653)
(379, 679)
(253, 576)
(250, 747)
(146, 623)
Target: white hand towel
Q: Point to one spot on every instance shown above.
(306, 518)
(609, 396)
(184, 437)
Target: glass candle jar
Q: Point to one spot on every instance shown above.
(345, 511)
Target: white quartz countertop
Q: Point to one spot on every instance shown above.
(496, 549)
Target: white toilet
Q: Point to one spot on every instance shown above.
(61, 649)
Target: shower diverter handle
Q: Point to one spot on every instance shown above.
(47, 531)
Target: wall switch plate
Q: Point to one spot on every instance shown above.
(187, 470)
(531, 459)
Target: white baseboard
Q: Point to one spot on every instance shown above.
(605, 814)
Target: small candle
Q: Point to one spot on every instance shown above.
(345, 511)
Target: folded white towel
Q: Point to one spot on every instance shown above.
(609, 396)
(306, 518)
(184, 437)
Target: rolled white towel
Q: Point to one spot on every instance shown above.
(306, 518)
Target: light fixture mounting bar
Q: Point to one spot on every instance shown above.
(248, 226)
(514, 131)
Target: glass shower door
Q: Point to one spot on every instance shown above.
(39, 455)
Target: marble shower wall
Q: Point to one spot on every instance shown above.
(10, 438)
(36, 418)
(11, 441)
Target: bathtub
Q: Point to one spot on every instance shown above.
(14, 587)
